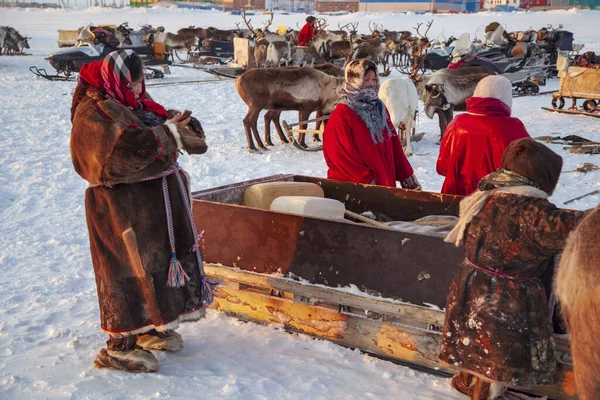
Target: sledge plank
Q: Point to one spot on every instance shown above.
(326, 294)
(406, 333)
(406, 344)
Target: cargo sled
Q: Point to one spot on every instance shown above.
(577, 83)
(364, 285)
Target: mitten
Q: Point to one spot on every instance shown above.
(192, 142)
(187, 140)
(411, 183)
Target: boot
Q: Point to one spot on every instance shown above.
(481, 390)
(464, 383)
(165, 341)
(136, 360)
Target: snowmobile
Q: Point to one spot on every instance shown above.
(91, 47)
(526, 68)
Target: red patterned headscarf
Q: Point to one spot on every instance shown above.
(113, 76)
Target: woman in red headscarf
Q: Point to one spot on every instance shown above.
(143, 242)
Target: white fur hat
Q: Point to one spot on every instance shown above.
(495, 86)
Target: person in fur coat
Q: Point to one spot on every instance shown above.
(360, 143)
(473, 142)
(497, 327)
(143, 242)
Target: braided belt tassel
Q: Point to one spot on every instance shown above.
(208, 285)
(177, 275)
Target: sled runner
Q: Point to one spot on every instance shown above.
(376, 288)
(578, 83)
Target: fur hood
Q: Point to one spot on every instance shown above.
(497, 87)
(356, 70)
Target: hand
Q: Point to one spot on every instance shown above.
(177, 120)
(411, 183)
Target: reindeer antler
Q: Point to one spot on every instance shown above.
(321, 25)
(424, 36)
(248, 24)
(267, 24)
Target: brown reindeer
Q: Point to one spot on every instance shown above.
(303, 89)
(261, 43)
(275, 115)
(173, 41)
(578, 288)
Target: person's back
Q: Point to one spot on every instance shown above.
(473, 143)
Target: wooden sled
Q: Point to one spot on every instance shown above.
(294, 271)
(573, 112)
(291, 131)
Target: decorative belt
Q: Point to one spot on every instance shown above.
(494, 273)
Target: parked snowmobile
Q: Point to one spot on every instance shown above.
(91, 47)
(526, 68)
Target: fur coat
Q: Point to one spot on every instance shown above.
(129, 242)
(496, 326)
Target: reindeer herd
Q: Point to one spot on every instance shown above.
(389, 48)
(11, 41)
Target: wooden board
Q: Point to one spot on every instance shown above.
(402, 332)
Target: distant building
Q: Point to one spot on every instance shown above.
(419, 5)
(306, 6)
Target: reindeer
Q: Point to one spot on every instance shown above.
(198, 33)
(303, 89)
(447, 90)
(578, 288)
(261, 44)
(373, 49)
(13, 41)
(278, 50)
(402, 101)
(173, 41)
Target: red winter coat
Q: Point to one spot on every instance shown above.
(473, 144)
(352, 156)
(306, 34)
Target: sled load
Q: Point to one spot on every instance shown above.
(578, 83)
(363, 266)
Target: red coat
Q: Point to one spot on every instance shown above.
(473, 144)
(352, 156)
(306, 34)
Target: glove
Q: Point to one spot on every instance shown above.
(193, 142)
(411, 183)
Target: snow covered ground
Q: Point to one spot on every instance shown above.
(49, 319)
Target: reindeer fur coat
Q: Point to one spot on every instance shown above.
(127, 222)
(499, 327)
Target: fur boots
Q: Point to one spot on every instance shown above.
(130, 353)
(165, 341)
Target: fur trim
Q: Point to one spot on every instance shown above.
(176, 135)
(495, 86)
(472, 205)
(356, 69)
(188, 317)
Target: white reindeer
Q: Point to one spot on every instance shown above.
(400, 97)
(277, 51)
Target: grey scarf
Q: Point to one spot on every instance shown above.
(365, 102)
